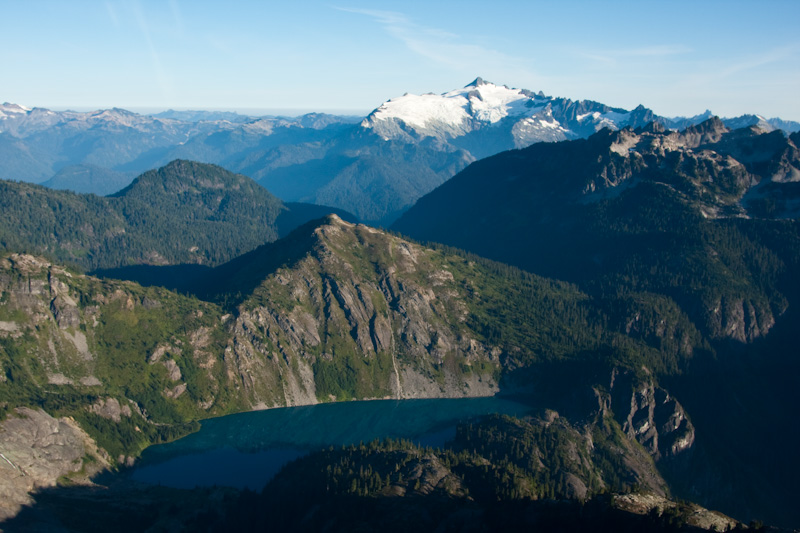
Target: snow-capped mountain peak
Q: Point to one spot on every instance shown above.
(469, 115)
(490, 103)
(477, 82)
(8, 110)
(454, 113)
(528, 117)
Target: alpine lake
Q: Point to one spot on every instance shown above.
(246, 450)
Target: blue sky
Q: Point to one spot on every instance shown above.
(677, 57)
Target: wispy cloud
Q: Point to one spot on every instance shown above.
(751, 62)
(719, 73)
(439, 46)
(162, 79)
(615, 56)
(759, 82)
(177, 17)
(112, 14)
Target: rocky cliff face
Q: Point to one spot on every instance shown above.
(362, 314)
(741, 319)
(698, 162)
(650, 415)
(38, 300)
(35, 451)
(722, 172)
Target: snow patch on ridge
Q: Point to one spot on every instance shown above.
(419, 110)
(491, 103)
(7, 110)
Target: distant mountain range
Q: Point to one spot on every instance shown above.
(374, 167)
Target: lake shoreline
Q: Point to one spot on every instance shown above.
(265, 440)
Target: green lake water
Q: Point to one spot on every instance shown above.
(248, 449)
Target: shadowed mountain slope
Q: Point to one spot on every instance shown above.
(700, 225)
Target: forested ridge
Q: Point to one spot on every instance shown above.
(184, 212)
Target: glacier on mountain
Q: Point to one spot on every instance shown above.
(529, 117)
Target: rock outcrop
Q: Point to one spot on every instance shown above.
(739, 319)
(651, 416)
(111, 409)
(35, 451)
(644, 503)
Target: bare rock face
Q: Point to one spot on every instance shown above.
(25, 280)
(41, 292)
(740, 319)
(175, 392)
(363, 294)
(38, 289)
(699, 517)
(172, 369)
(575, 488)
(110, 408)
(651, 416)
(64, 308)
(430, 475)
(265, 371)
(162, 350)
(35, 450)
